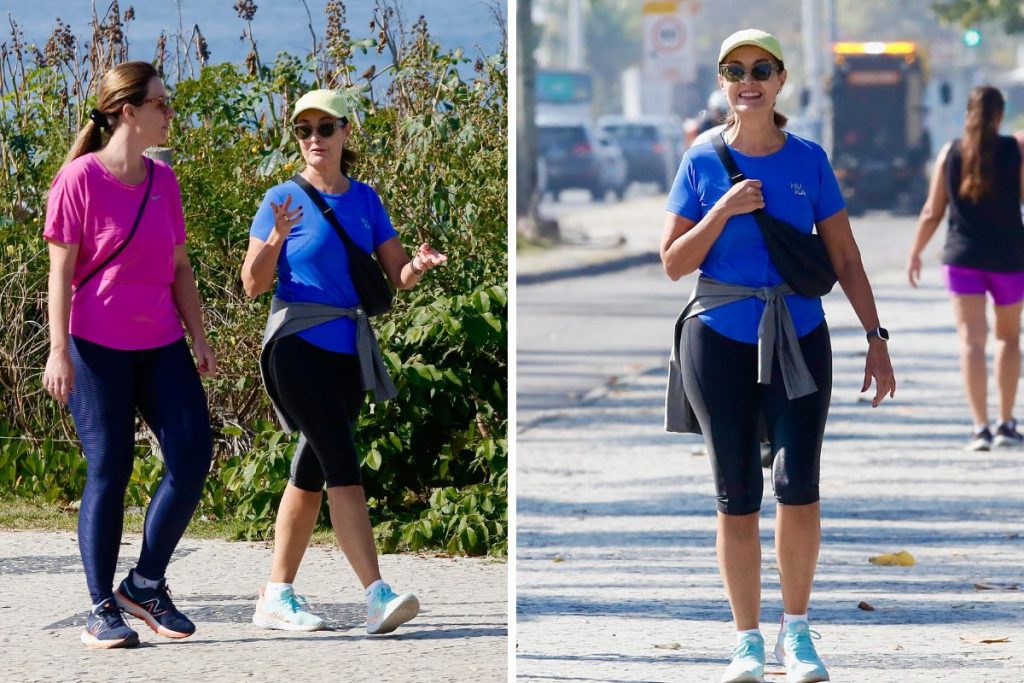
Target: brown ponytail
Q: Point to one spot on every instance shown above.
(126, 83)
(980, 142)
(348, 157)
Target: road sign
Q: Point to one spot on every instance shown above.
(669, 46)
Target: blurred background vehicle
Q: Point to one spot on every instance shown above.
(571, 155)
(652, 146)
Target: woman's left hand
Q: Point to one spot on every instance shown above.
(427, 257)
(879, 367)
(205, 360)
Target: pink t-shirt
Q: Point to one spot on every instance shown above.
(128, 305)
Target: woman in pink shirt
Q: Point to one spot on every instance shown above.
(120, 286)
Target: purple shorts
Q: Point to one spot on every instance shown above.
(1006, 288)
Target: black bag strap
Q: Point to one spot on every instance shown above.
(327, 211)
(120, 248)
(735, 174)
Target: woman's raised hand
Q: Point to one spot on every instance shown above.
(427, 257)
(743, 197)
(284, 218)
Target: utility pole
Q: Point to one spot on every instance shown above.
(574, 58)
(810, 18)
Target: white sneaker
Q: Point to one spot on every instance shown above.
(386, 611)
(747, 665)
(795, 650)
(285, 613)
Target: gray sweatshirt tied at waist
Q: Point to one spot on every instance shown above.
(290, 317)
(775, 335)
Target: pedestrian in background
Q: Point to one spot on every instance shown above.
(120, 286)
(979, 177)
(319, 355)
(751, 352)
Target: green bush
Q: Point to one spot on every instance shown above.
(433, 144)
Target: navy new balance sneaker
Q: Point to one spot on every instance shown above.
(153, 606)
(105, 628)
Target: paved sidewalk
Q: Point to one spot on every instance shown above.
(460, 635)
(616, 573)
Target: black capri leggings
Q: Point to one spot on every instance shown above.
(322, 393)
(720, 379)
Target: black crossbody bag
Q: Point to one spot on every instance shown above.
(375, 295)
(120, 248)
(800, 257)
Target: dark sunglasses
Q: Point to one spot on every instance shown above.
(734, 73)
(304, 131)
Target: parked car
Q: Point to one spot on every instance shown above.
(572, 156)
(652, 146)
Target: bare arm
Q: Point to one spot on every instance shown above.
(403, 272)
(842, 249)
(261, 257)
(186, 299)
(59, 375)
(685, 244)
(931, 216)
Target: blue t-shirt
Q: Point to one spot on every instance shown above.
(313, 265)
(799, 187)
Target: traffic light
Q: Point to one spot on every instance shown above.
(972, 37)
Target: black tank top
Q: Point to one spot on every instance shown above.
(987, 235)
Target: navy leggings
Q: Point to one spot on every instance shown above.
(109, 385)
(322, 392)
(720, 379)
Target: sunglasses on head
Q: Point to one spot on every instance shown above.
(303, 131)
(734, 73)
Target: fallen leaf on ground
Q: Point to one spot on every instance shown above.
(557, 558)
(975, 639)
(983, 587)
(668, 646)
(867, 607)
(897, 646)
(963, 605)
(900, 559)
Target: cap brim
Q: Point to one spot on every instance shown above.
(329, 112)
(742, 43)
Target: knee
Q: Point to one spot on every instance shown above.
(740, 501)
(789, 491)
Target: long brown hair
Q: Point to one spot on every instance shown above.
(126, 83)
(348, 157)
(980, 142)
(780, 119)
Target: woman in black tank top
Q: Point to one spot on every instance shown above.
(980, 178)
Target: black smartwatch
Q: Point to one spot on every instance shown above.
(879, 332)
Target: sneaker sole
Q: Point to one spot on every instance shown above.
(977, 449)
(1008, 444)
(273, 623)
(139, 612)
(814, 678)
(94, 643)
(744, 678)
(401, 613)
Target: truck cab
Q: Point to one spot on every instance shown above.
(880, 146)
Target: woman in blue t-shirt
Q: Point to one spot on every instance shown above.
(783, 390)
(320, 357)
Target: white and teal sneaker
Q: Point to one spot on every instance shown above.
(285, 612)
(747, 665)
(386, 611)
(795, 650)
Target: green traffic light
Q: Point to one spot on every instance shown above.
(972, 37)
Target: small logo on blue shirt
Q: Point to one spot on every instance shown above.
(798, 189)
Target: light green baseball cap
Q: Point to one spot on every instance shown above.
(329, 101)
(751, 36)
